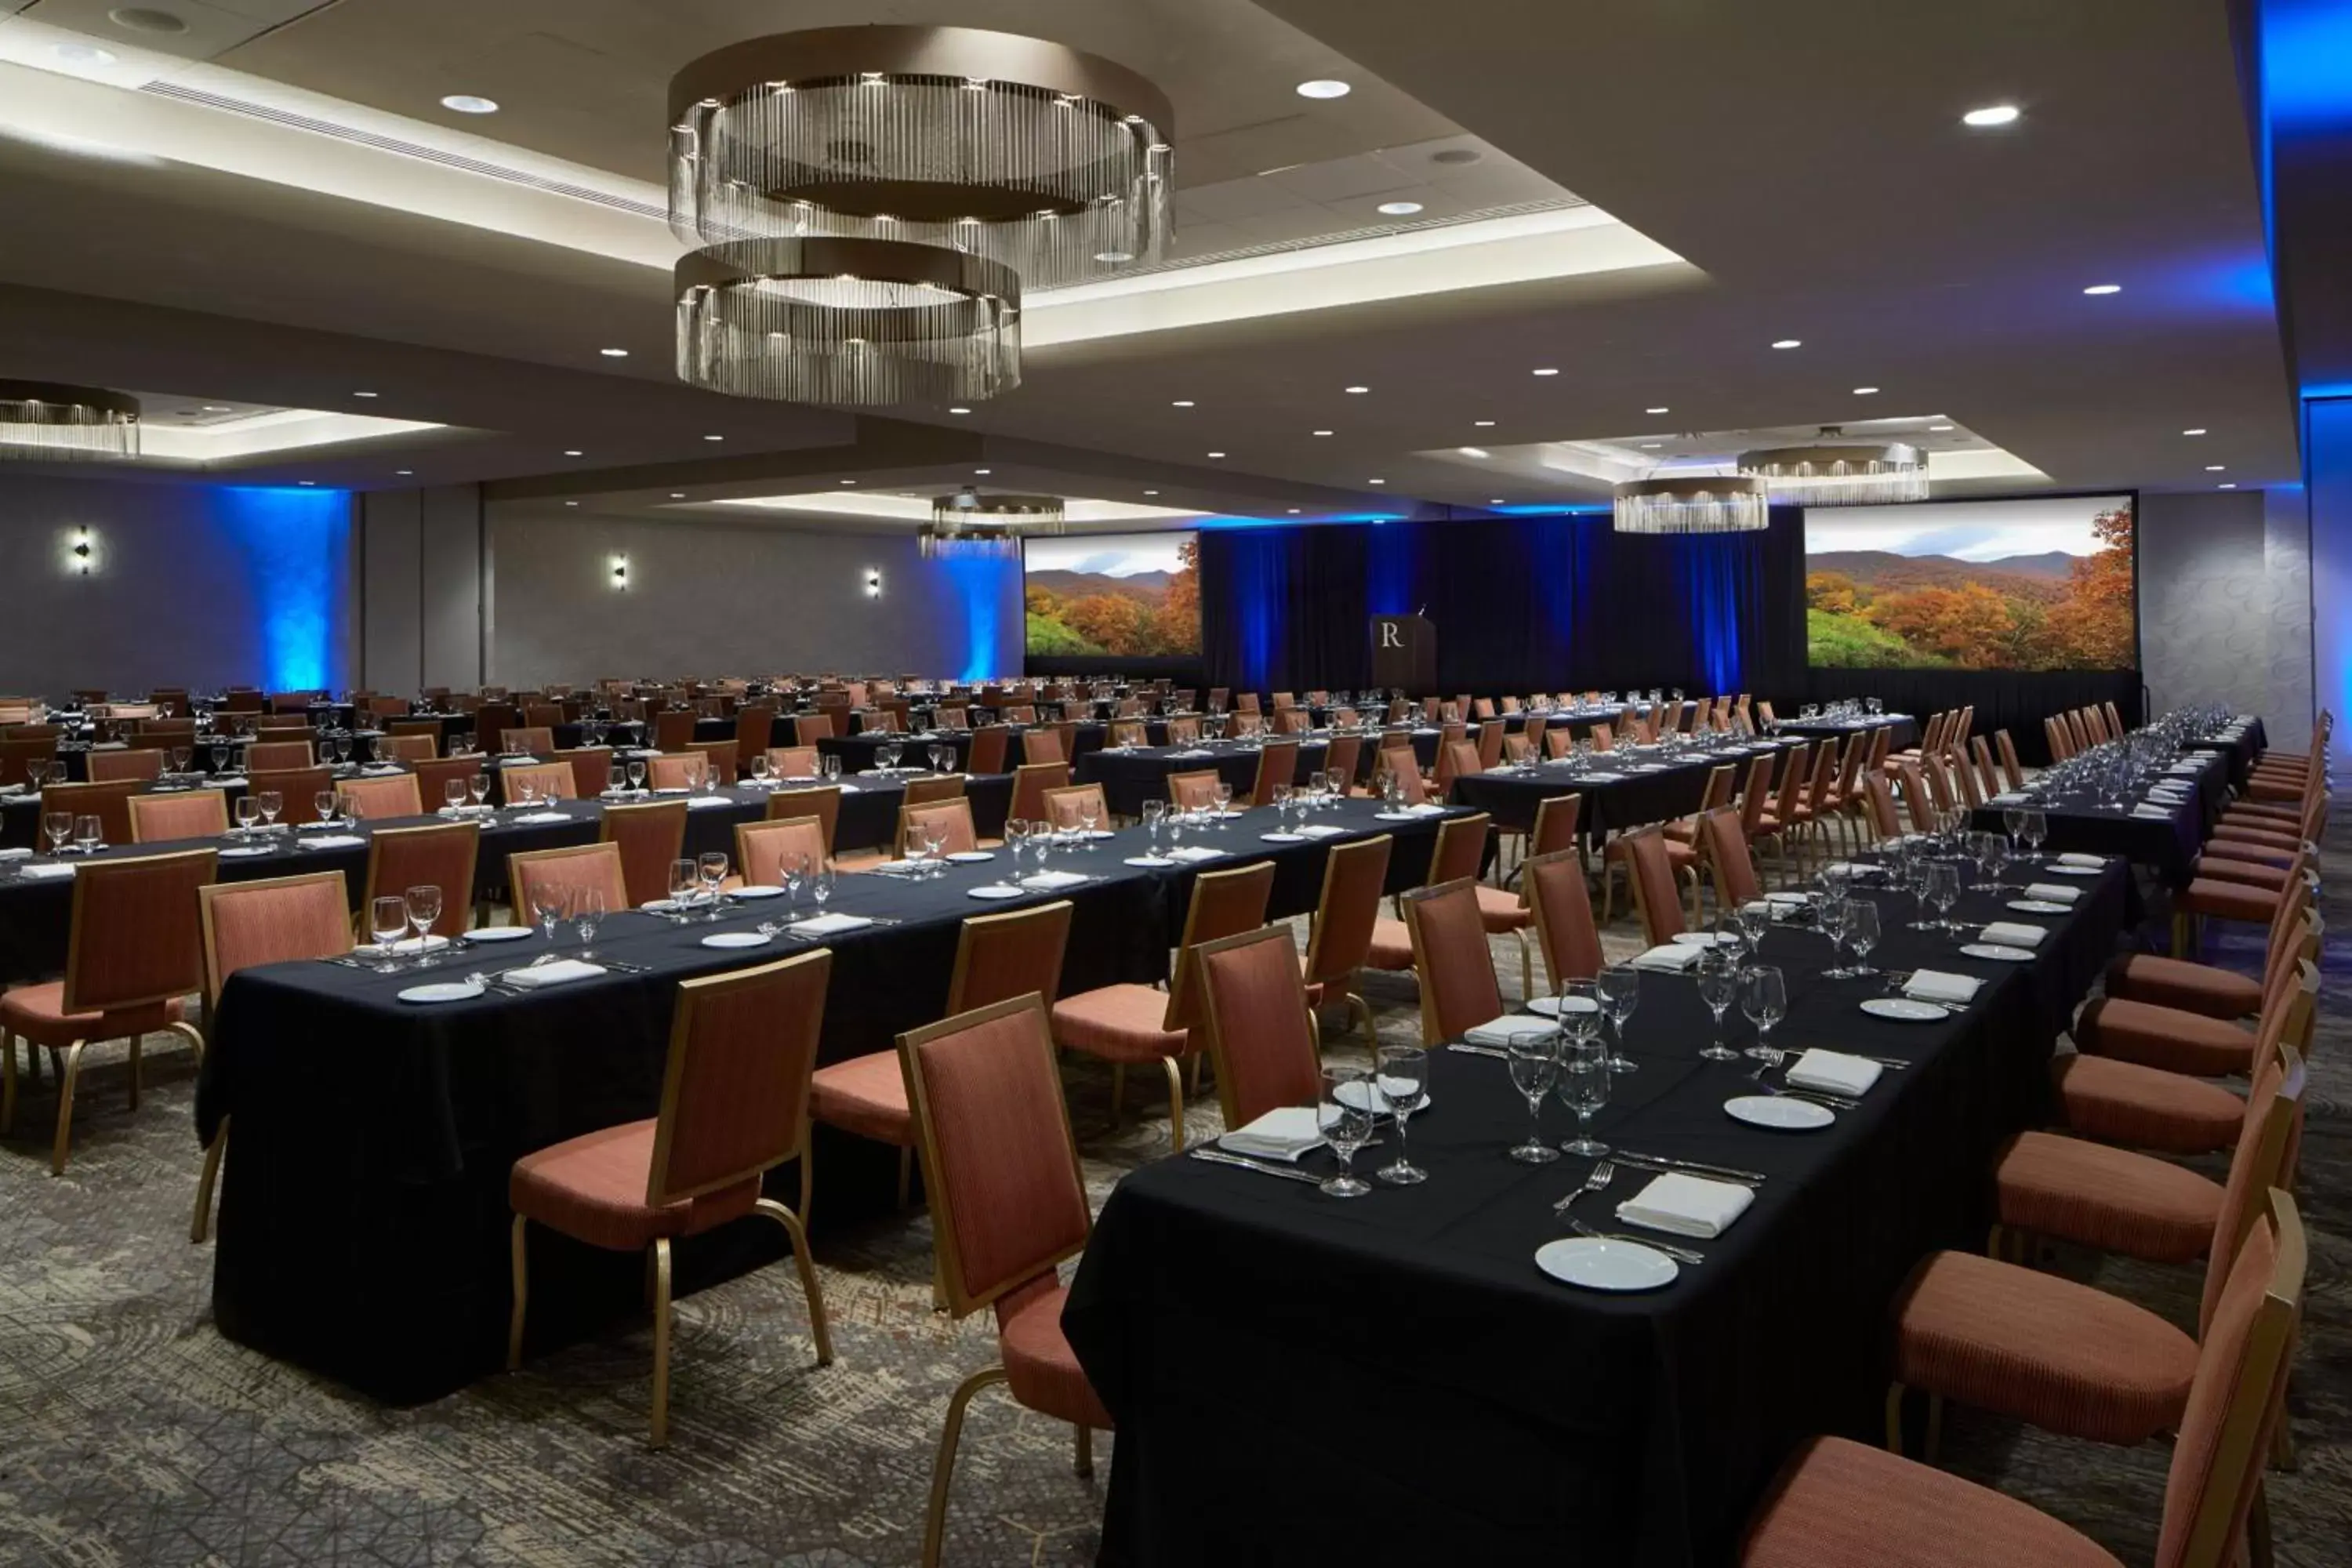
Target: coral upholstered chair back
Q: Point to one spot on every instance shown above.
(1261, 1036)
(735, 1087)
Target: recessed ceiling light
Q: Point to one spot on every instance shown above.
(2200, 430)
(983, 470)
(2216, 467)
(83, 54)
(2104, 288)
(467, 103)
(614, 353)
(1474, 451)
(1789, 343)
(1546, 370)
(1359, 390)
(314, 481)
(146, 19)
(1294, 512)
(1152, 492)
(1182, 403)
(571, 503)
(1324, 86)
(1865, 391)
(1114, 257)
(1992, 114)
(1484, 424)
(714, 437)
(1652, 446)
(677, 495)
(1497, 500)
(573, 453)
(1399, 209)
(849, 481)
(1939, 427)
(1322, 432)
(2225, 485)
(218, 408)
(363, 394)
(1216, 454)
(1376, 482)
(1662, 409)
(958, 410)
(401, 473)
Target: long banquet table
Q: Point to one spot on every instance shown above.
(2163, 838)
(1138, 773)
(1271, 1355)
(1628, 787)
(364, 1219)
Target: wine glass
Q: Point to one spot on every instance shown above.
(684, 881)
(424, 904)
(2012, 819)
(1090, 816)
(323, 805)
(478, 787)
(454, 791)
(1620, 990)
(272, 803)
(347, 806)
(1535, 1063)
(759, 768)
(587, 914)
(59, 825)
(1861, 935)
(1584, 1088)
(548, 901)
(1944, 891)
(1224, 796)
(1718, 983)
(248, 812)
(180, 758)
(1764, 997)
(2036, 829)
(616, 780)
(712, 865)
(1343, 1114)
(637, 775)
(1829, 919)
(1755, 920)
(388, 921)
(220, 757)
(1401, 1077)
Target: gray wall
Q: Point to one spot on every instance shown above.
(189, 584)
(2225, 607)
(425, 602)
(715, 598)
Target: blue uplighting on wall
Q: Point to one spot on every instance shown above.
(976, 580)
(1711, 584)
(2306, 43)
(1389, 570)
(296, 546)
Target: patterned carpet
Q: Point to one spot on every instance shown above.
(132, 1432)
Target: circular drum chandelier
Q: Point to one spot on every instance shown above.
(1043, 161)
(1692, 503)
(46, 421)
(1836, 472)
(968, 521)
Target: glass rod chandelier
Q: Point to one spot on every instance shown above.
(1837, 473)
(49, 422)
(995, 524)
(1045, 162)
(1692, 503)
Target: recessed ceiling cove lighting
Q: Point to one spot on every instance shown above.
(1992, 114)
(1497, 500)
(849, 481)
(2104, 288)
(1548, 370)
(677, 495)
(218, 408)
(1865, 391)
(467, 103)
(1658, 410)
(401, 473)
(1152, 492)
(83, 54)
(1652, 446)
(574, 452)
(614, 353)
(1324, 86)
(983, 470)
(1789, 343)
(1114, 257)
(1398, 209)
(1939, 427)
(1474, 451)
(1359, 390)
(571, 503)
(1376, 482)
(2225, 486)
(1294, 512)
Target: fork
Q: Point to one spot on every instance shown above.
(1603, 1173)
(1681, 1254)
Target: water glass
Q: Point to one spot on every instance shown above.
(1944, 891)
(272, 803)
(551, 902)
(59, 825)
(1343, 1114)
(325, 804)
(388, 921)
(454, 791)
(637, 774)
(1224, 800)
(479, 787)
(821, 886)
(248, 813)
(423, 905)
(2036, 829)
(1718, 985)
(1584, 1089)
(1764, 997)
(1402, 1078)
(1535, 1066)
(1153, 811)
(1862, 934)
(712, 865)
(587, 914)
(1620, 992)
(685, 879)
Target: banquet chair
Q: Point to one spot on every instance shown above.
(1018, 713)
(1963, 778)
(1456, 759)
(734, 1105)
(1194, 791)
(434, 777)
(1009, 1205)
(1030, 782)
(1066, 807)
(808, 729)
(2234, 898)
(683, 770)
(1878, 807)
(132, 955)
(1452, 960)
(954, 716)
(1518, 749)
(592, 770)
(595, 867)
(1794, 822)
(2055, 735)
(1129, 1024)
(439, 855)
(1557, 740)
(930, 787)
(2013, 775)
(674, 730)
(1041, 745)
(990, 744)
(1558, 817)
(144, 765)
(2177, 1040)
(408, 728)
(1340, 933)
(754, 728)
(1260, 1022)
(717, 760)
(1454, 857)
(541, 715)
(998, 958)
(1560, 908)
(536, 741)
(298, 790)
(1278, 763)
(1916, 805)
(952, 817)
(822, 803)
(1840, 1504)
(181, 732)
(1721, 780)
(646, 840)
(793, 762)
(1658, 871)
(1988, 775)
(407, 748)
(109, 803)
(244, 924)
(1491, 735)
(1183, 731)
(274, 755)
(2208, 989)
(1343, 756)
(881, 722)
(1732, 867)
(1128, 733)
(1291, 721)
(1482, 708)
(162, 818)
(2065, 1357)
(1246, 703)
(545, 780)
(766, 850)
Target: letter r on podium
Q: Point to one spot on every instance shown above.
(1389, 637)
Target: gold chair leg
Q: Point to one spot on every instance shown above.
(68, 1072)
(519, 1251)
(8, 1078)
(1894, 1418)
(935, 1514)
(1175, 1104)
(808, 1182)
(1086, 1460)
(661, 1343)
(794, 1230)
(201, 1226)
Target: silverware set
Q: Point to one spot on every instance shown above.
(1679, 1253)
(1209, 1155)
(1603, 1173)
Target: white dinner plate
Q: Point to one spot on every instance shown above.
(1283, 837)
(1106, 833)
(735, 939)
(1152, 860)
(993, 891)
(244, 851)
(1549, 1007)
(1997, 953)
(971, 857)
(2070, 870)
(500, 933)
(1598, 1264)
(1908, 1009)
(448, 991)
(755, 891)
(401, 949)
(1779, 1112)
(2040, 907)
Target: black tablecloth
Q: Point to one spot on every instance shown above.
(1906, 728)
(1262, 1346)
(2250, 742)
(1675, 788)
(1131, 777)
(2166, 845)
(363, 1218)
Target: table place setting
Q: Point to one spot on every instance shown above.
(331, 841)
(1927, 995)
(1672, 957)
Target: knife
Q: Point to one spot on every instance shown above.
(1638, 1163)
(1219, 1157)
(1696, 1167)
(1471, 1050)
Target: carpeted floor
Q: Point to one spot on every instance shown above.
(130, 1432)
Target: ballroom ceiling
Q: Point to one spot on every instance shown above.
(1753, 174)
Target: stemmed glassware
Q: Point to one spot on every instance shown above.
(1224, 800)
(423, 905)
(1534, 1065)
(636, 774)
(1620, 992)
(2035, 829)
(1718, 983)
(1764, 997)
(1153, 812)
(325, 803)
(59, 827)
(478, 787)
(548, 902)
(712, 865)
(272, 803)
(1584, 1083)
(1403, 1079)
(388, 923)
(1943, 890)
(1830, 916)
(587, 914)
(248, 813)
(684, 881)
(1343, 1114)
(1861, 935)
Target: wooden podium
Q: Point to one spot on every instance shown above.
(1405, 653)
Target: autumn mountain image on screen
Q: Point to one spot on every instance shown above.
(1127, 596)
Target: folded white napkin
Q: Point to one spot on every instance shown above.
(2011, 933)
(543, 817)
(1284, 1133)
(675, 789)
(2184, 768)
(331, 841)
(2008, 797)
(382, 769)
(1502, 1031)
(705, 802)
(1935, 985)
(1848, 868)
(1321, 831)
(1604, 778)
(2053, 892)
(17, 853)
(50, 872)
(561, 973)
(1672, 957)
(1046, 882)
(1834, 1072)
(1196, 852)
(11, 788)
(225, 781)
(2147, 812)
(1193, 752)
(829, 924)
(1687, 1205)
(2086, 862)
(111, 746)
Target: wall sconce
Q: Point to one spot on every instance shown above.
(620, 573)
(872, 582)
